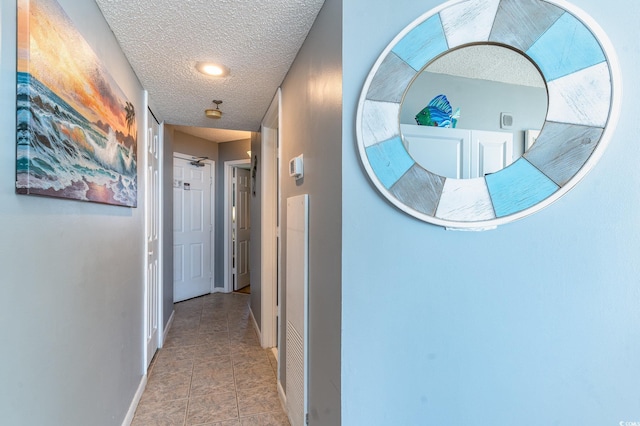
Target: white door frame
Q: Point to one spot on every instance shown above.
(160, 213)
(228, 178)
(270, 130)
(213, 210)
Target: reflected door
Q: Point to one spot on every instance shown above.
(458, 153)
(445, 152)
(490, 152)
(192, 229)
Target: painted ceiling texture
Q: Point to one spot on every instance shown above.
(256, 40)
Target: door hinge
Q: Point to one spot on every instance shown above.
(306, 418)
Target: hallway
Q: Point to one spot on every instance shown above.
(212, 370)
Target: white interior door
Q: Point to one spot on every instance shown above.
(445, 152)
(192, 229)
(152, 232)
(490, 151)
(241, 228)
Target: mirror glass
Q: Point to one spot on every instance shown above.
(473, 111)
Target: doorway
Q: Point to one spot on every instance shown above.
(271, 333)
(193, 232)
(237, 226)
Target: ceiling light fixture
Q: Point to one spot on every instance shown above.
(214, 113)
(211, 69)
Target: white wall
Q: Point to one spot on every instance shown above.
(71, 273)
(535, 323)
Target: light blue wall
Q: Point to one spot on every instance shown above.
(535, 323)
(71, 273)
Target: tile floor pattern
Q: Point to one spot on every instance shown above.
(212, 370)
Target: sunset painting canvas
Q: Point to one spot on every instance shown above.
(76, 131)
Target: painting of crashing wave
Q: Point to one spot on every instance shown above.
(76, 131)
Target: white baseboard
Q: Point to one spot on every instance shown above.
(255, 326)
(283, 398)
(134, 404)
(165, 332)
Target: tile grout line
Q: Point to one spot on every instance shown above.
(193, 366)
(233, 370)
(237, 335)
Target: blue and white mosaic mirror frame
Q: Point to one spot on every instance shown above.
(580, 69)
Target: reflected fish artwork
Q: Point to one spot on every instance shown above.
(76, 131)
(438, 113)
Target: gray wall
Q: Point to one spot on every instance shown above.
(184, 143)
(167, 224)
(311, 125)
(255, 249)
(72, 273)
(534, 323)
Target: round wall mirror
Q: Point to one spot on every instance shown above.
(493, 95)
(571, 124)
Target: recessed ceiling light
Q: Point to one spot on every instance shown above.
(215, 70)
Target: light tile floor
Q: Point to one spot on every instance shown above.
(212, 370)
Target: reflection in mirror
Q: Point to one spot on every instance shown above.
(501, 95)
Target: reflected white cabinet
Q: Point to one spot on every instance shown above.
(458, 153)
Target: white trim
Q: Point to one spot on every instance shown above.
(228, 166)
(145, 248)
(165, 331)
(161, 328)
(268, 208)
(255, 324)
(182, 156)
(283, 399)
(136, 400)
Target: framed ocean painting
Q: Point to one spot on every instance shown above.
(76, 131)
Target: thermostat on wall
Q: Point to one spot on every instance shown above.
(296, 167)
(506, 120)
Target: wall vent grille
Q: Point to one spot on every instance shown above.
(295, 376)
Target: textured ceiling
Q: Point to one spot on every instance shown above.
(489, 62)
(256, 39)
(214, 135)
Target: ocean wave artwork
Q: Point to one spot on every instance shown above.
(76, 131)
